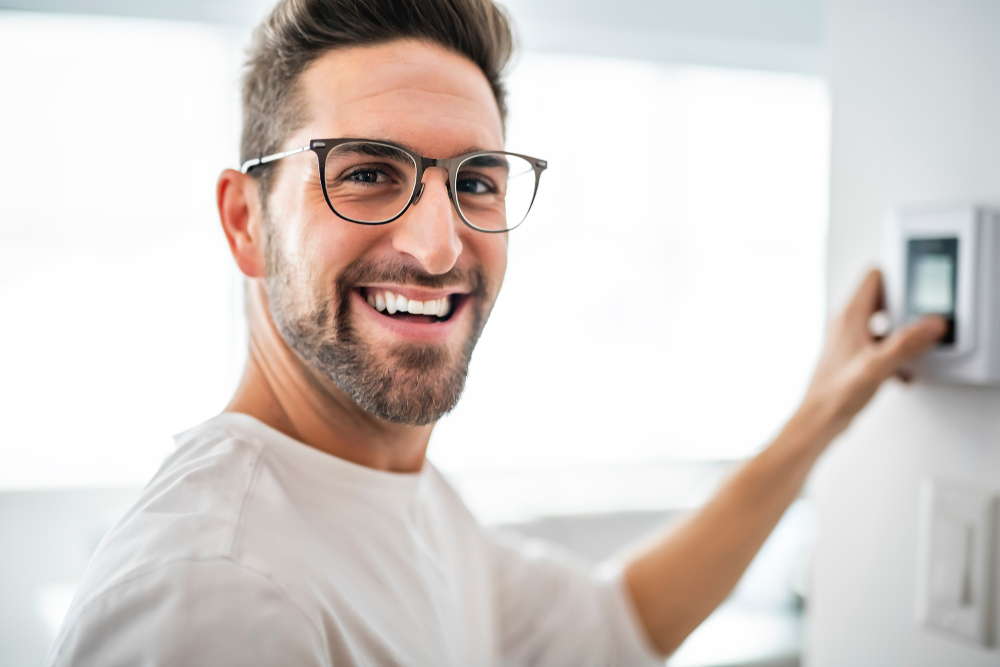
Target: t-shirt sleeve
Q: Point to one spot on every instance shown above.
(554, 610)
(213, 612)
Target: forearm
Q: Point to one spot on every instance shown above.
(679, 580)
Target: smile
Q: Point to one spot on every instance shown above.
(394, 305)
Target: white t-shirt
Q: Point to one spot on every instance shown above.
(251, 548)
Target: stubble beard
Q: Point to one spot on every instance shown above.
(413, 384)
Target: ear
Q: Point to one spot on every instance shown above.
(238, 199)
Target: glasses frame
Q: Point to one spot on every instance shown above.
(322, 147)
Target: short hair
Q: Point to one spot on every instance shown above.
(297, 32)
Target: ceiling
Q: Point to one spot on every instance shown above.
(784, 35)
(236, 12)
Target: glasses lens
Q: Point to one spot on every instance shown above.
(369, 182)
(495, 190)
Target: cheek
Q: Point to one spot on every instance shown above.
(329, 247)
(492, 251)
(323, 243)
(314, 251)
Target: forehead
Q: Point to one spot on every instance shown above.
(415, 93)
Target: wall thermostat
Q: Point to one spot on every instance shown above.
(945, 260)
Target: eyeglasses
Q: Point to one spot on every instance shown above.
(374, 182)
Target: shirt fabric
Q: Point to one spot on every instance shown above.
(251, 548)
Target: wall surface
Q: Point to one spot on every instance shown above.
(916, 117)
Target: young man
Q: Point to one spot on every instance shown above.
(303, 526)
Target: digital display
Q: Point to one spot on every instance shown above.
(933, 284)
(931, 280)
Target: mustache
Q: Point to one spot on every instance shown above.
(367, 271)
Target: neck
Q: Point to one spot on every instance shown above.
(279, 389)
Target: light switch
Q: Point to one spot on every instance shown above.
(954, 593)
(951, 566)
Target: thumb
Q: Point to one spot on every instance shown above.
(907, 343)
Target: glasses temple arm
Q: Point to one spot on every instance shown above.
(250, 164)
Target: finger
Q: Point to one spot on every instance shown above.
(907, 343)
(867, 299)
(879, 325)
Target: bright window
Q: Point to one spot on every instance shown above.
(115, 281)
(662, 306)
(663, 302)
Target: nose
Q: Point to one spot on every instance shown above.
(428, 231)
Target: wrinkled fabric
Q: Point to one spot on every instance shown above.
(251, 548)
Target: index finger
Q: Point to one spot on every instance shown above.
(867, 299)
(908, 343)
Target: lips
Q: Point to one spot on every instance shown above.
(400, 306)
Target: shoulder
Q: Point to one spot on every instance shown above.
(440, 487)
(190, 511)
(440, 498)
(167, 579)
(189, 611)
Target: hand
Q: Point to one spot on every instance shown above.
(854, 364)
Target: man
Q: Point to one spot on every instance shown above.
(303, 526)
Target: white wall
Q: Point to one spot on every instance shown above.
(916, 117)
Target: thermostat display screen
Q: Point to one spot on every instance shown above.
(931, 279)
(933, 286)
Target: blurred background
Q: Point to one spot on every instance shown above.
(592, 411)
(642, 345)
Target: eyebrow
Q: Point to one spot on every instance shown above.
(403, 144)
(488, 161)
(470, 149)
(374, 149)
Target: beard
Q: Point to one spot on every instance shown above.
(410, 383)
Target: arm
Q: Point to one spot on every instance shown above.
(679, 580)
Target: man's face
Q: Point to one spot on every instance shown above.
(321, 269)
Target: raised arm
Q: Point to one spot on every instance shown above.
(678, 581)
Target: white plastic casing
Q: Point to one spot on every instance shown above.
(974, 357)
(955, 561)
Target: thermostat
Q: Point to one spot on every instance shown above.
(945, 260)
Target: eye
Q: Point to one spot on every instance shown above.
(474, 186)
(368, 176)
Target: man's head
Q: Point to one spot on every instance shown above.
(421, 74)
(299, 32)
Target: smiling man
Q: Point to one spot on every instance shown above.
(303, 526)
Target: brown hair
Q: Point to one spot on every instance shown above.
(297, 32)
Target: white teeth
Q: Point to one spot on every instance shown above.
(392, 303)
